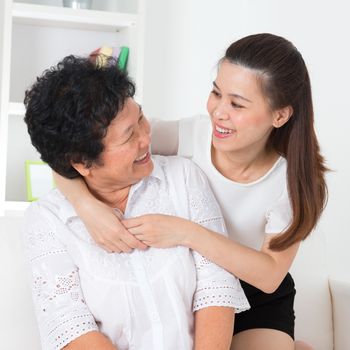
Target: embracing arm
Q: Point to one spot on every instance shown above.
(213, 328)
(107, 232)
(264, 269)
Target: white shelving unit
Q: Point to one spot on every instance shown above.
(34, 37)
(39, 15)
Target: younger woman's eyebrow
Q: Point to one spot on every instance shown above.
(234, 95)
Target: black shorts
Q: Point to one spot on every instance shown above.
(273, 311)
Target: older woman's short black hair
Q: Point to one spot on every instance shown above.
(69, 108)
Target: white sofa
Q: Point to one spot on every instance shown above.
(322, 305)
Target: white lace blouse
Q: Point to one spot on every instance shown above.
(141, 300)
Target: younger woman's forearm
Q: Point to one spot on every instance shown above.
(73, 189)
(258, 268)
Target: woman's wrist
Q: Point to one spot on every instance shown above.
(88, 201)
(192, 231)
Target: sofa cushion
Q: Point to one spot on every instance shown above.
(313, 306)
(17, 319)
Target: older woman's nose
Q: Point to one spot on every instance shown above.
(145, 136)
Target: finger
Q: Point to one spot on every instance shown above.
(123, 248)
(146, 240)
(130, 240)
(119, 244)
(115, 245)
(112, 239)
(142, 245)
(148, 243)
(137, 231)
(132, 222)
(109, 248)
(133, 241)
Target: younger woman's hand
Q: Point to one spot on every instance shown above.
(105, 227)
(160, 231)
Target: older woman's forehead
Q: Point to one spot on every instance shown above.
(130, 109)
(124, 120)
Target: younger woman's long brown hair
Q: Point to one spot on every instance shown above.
(285, 82)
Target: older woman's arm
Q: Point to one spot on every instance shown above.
(213, 328)
(91, 341)
(63, 317)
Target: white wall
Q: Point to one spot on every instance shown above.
(185, 38)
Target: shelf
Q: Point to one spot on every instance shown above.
(16, 108)
(40, 15)
(49, 33)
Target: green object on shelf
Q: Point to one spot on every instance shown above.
(123, 57)
(39, 179)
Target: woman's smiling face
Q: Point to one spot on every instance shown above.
(240, 114)
(125, 159)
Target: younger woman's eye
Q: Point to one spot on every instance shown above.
(235, 105)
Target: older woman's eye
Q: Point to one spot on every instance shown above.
(215, 93)
(129, 138)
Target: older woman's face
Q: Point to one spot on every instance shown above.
(126, 158)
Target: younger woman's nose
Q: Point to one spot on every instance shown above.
(220, 114)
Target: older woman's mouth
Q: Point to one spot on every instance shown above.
(143, 159)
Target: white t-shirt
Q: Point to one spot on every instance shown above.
(140, 300)
(251, 210)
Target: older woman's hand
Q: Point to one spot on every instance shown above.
(105, 227)
(160, 231)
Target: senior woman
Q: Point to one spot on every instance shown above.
(83, 120)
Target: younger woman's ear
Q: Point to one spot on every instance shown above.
(81, 169)
(281, 116)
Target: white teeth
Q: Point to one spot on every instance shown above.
(142, 157)
(223, 131)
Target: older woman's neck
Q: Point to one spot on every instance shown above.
(114, 198)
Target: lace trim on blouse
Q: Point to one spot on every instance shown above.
(66, 327)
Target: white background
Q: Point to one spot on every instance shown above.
(184, 40)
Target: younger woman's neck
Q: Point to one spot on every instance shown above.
(244, 167)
